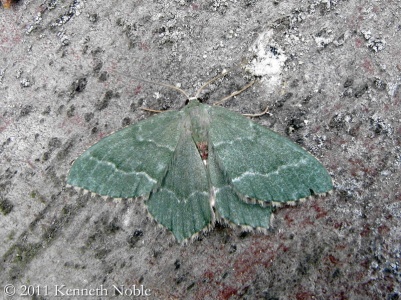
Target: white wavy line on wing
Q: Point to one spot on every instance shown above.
(122, 171)
(276, 172)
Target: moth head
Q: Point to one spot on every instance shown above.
(201, 100)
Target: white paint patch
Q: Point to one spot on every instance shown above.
(127, 219)
(269, 59)
(157, 95)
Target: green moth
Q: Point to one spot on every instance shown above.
(198, 165)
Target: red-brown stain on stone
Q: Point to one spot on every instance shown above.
(6, 3)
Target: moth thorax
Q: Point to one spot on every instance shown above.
(203, 150)
(200, 127)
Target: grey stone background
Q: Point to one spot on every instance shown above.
(330, 73)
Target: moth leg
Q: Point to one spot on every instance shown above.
(235, 93)
(152, 110)
(266, 111)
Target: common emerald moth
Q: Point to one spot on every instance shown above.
(200, 165)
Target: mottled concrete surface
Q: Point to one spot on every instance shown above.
(65, 82)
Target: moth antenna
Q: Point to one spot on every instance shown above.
(224, 73)
(171, 87)
(158, 83)
(235, 93)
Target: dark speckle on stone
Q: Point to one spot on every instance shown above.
(378, 125)
(102, 252)
(102, 104)
(348, 92)
(244, 234)
(233, 248)
(354, 130)
(113, 226)
(126, 121)
(47, 110)
(6, 142)
(98, 66)
(379, 84)
(136, 104)
(88, 116)
(180, 279)
(138, 233)
(294, 83)
(26, 110)
(103, 76)
(71, 111)
(79, 85)
(266, 295)
(282, 100)
(54, 143)
(349, 82)
(46, 156)
(295, 123)
(361, 90)
(337, 121)
(60, 109)
(249, 3)
(336, 273)
(177, 264)
(62, 154)
(93, 17)
(5, 206)
(307, 99)
(274, 50)
(393, 296)
(134, 237)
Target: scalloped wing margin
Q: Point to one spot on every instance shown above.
(229, 205)
(129, 162)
